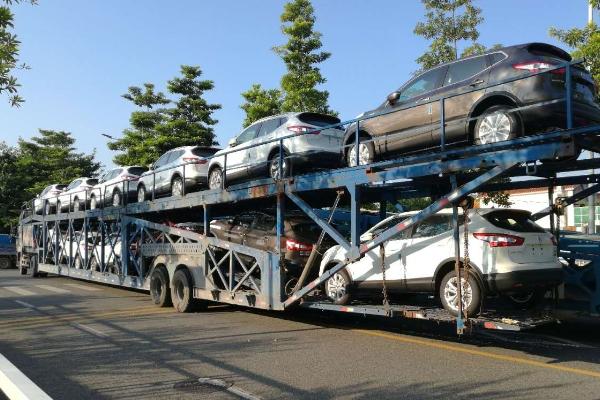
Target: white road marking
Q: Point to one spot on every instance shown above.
(16, 385)
(27, 305)
(19, 290)
(83, 287)
(91, 330)
(52, 289)
(230, 388)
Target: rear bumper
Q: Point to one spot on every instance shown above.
(316, 159)
(554, 115)
(519, 281)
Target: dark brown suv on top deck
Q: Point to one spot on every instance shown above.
(479, 116)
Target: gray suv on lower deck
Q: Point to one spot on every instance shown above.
(258, 153)
(167, 175)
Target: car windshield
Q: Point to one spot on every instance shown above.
(137, 170)
(518, 221)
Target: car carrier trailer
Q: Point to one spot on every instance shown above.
(132, 246)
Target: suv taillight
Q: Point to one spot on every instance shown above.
(303, 129)
(538, 66)
(194, 160)
(499, 239)
(294, 245)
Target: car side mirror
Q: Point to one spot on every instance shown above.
(393, 97)
(150, 167)
(233, 142)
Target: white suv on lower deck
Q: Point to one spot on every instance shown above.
(509, 255)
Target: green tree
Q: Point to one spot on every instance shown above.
(448, 23)
(11, 196)
(585, 43)
(9, 54)
(260, 103)
(51, 158)
(156, 129)
(301, 55)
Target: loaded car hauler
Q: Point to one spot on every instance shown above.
(132, 246)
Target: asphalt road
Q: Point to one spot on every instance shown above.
(79, 340)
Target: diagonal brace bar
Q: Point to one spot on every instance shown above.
(407, 223)
(568, 201)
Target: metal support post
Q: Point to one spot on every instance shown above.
(102, 245)
(442, 124)
(280, 221)
(206, 209)
(592, 206)
(460, 324)
(354, 215)
(356, 142)
(224, 173)
(569, 96)
(124, 249)
(382, 210)
(280, 164)
(551, 204)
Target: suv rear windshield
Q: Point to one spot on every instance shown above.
(92, 181)
(513, 220)
(137, 170)
(318, 119)
(203, 151)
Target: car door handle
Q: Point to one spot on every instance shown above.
(477, 82)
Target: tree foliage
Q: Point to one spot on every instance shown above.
(448, 22)
(260, 103)
(25, 170)
(301, 55)
(585, 43)
(9, 54)
(156, 128)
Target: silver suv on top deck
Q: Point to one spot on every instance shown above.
(258, 153)
(166, 176)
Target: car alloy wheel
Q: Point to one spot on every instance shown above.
(58, 207)
(177, 187)
(48, 208)
(77, 263)
(93, 203)
(337, 287)
(451, 293)
(274, 167)
(116, 199)
(76, 205)
(141, 194)
(495, 127)
(215, 179)
(364, 155)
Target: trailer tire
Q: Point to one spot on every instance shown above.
(23, 270)
(5, 262)
(160, 292)
(182, 291)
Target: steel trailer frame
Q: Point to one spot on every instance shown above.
(236, 274)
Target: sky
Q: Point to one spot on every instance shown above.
(85, 54)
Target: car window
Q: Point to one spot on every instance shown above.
(204, 152)
(162, 160)
(497, 57)
(268, 127)
(461, 70)
(513, 220)
(248, 134)
(378, 229)
(74, 184)
(244, 219)
(428, 81)
(432, 226)
(136, 170)
(46, 190)
(91, 182)
(173, 158)
(319, 120)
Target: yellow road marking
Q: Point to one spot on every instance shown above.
(495, 356)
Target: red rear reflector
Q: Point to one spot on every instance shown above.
(499, 239)
(294, 245)
(303, 129)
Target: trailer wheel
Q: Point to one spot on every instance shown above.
(182, 291)
(471, 293)
(160, 292)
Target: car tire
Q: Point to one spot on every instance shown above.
(116, 198)
(182, 291)
(58, 207)
(76, 205)
(526, 300)
(93, 203)
(215, 178)
(338, 287)
(471, 294)
(77, 264)
(496, 124)
(274, 166)
(160, 292)
(141, 194)
(366, 151)
(177, 187)
(95, 265)
(47, 208)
